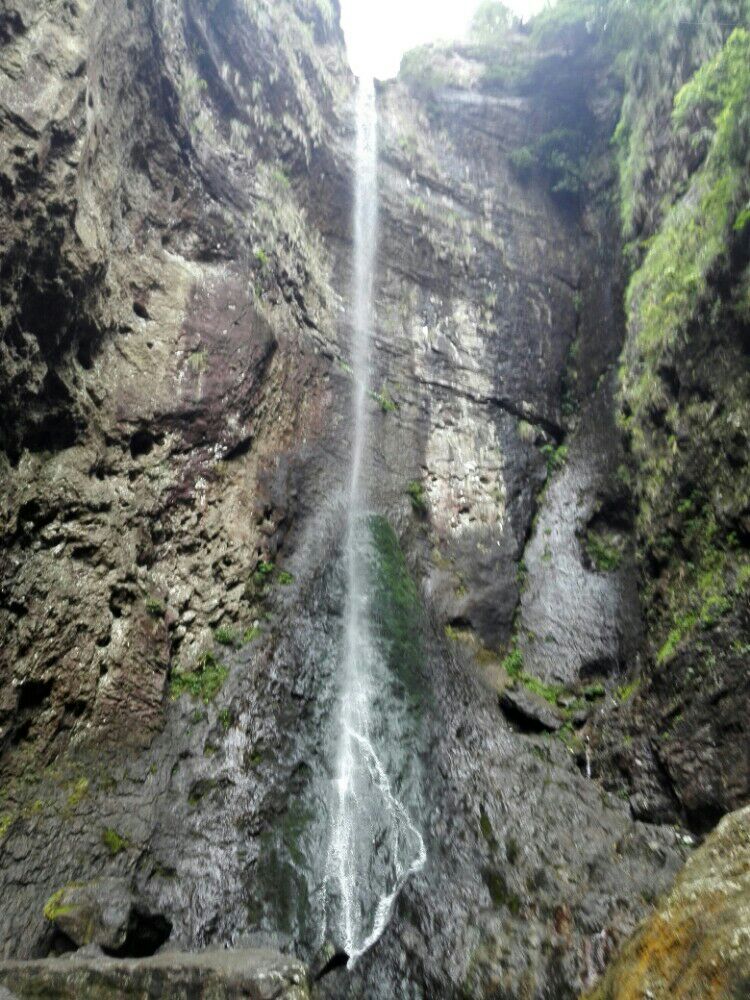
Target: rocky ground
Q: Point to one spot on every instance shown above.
(223, 975)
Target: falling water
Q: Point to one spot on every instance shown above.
(374, 845)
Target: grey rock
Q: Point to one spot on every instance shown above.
(531, 712)
(213, 975)
(99, 913)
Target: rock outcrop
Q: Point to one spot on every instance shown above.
(219, 975)
(697, 944)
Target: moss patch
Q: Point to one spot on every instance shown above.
(203, 683)
(114, 843)
(416, 494)
(55, 907)
(397, 610)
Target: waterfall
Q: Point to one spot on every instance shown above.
(374, 845)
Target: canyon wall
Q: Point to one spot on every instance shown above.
(563, 495)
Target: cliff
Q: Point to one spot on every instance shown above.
(560, 453)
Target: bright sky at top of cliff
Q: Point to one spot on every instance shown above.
(378, 32)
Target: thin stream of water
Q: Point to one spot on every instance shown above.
(367, 811)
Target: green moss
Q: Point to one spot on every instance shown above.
(114, 843)
(285, 578)
(204, 682)
(512, 850)
(384, 400)
(626, 691)
(513, 663)
(416, 494)
(6, 821)
(703, 591)
(225, 719)
(197, 361)
(280, 179)
(665, 293)
(79, 789)
(200, 790)
(54, 907)
(225, 636)
(252, 633)
(397, 610)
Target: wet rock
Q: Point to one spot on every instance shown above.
(209, 975)
(530, 711)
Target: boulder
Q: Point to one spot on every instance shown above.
(105, 913)
(696, 946)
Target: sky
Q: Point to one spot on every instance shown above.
(378, 32)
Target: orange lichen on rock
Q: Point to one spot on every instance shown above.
(697, 945)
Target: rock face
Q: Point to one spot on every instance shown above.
(140, 270)
(104, 913)
(673, 740)
(175, 433)
(697, 944)
(219, 975)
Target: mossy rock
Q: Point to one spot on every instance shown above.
(697, 945)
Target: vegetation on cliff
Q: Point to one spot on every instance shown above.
(686, 302)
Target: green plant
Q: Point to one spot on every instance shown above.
(556, 456)
(626, 691)
(416, 494)
(155, 608)
(262, 572)
(491, 23)
(523, 161)
(251, 633)
(225, 636)
(605, 552)
(262, 257)
(513, 663)
(285, 578)
(422, 70)
(204, 682)
(225, 719)
(397, 610)
(499, 892)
